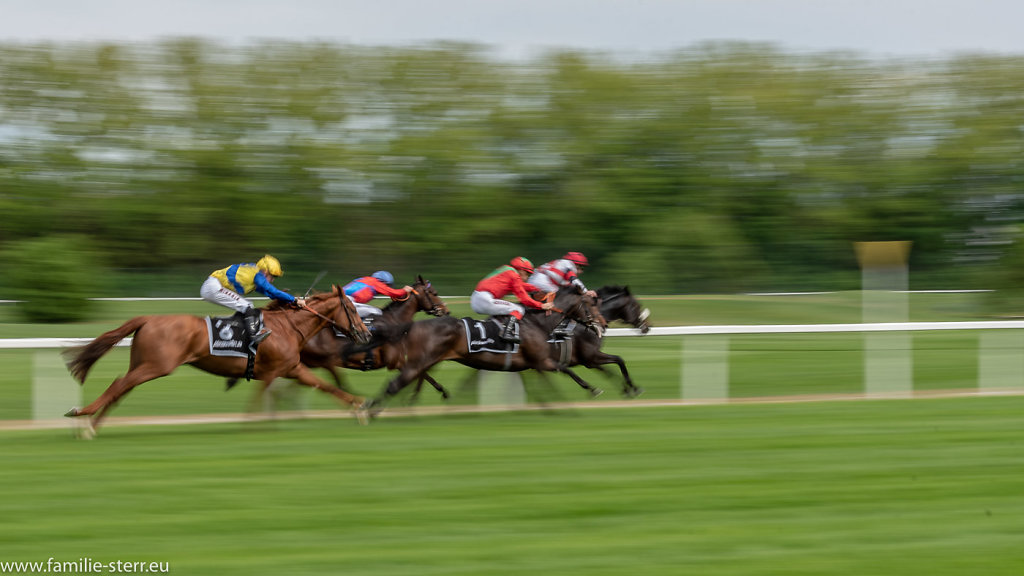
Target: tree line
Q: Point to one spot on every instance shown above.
(720, 167)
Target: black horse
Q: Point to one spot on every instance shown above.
(584, 346)
(428, 342)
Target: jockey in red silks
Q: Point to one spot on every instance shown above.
(504, 280)
(362, 290)
(560, 273)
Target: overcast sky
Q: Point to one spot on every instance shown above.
(522, 27)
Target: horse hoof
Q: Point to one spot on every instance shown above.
(71, 413)
(373, 407)
(87, 432)
(632, 392)
(595, 392)
(361, 416)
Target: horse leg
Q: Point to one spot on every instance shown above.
(118, 388)
(305, 377)
(437, 385)
(629, 390)
(594, 391)
(405, 376)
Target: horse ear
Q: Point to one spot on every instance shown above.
(419, 278)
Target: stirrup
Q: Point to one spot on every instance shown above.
(260, 336)
(510, 333)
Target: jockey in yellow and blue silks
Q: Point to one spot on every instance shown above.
(227, 287)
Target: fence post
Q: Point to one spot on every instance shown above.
(705, 373)
(888, 361)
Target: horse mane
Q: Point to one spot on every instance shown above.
(275, 305)
(613, 289)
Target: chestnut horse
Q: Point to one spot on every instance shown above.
(162, 343)
(326, 349)
(428, 342)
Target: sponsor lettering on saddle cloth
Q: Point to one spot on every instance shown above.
(485, 336)
(228, 337)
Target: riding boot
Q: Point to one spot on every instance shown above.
(254, 326)
(510, 332)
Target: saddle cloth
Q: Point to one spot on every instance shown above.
(228, 336)
(485, 336)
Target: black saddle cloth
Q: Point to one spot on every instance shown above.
(485, 336)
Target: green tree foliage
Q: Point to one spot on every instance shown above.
(53, 276)
(722, 167)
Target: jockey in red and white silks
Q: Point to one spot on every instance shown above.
(560, 273)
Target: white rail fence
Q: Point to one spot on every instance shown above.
(704, 376)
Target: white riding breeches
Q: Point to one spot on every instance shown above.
(543, 282)
(365, 310)
(213, 291)
(486, 303)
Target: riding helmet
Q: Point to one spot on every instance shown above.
(576, 258)
(270, 265)
(384, 276)
(520, 263)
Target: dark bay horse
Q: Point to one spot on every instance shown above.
(584, 348)
(162, 343)
(617, 303)
(428, 342)
(326, 349)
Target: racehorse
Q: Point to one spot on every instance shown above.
(326, 349)
(162, 343)
(583, 348)
(428, 342)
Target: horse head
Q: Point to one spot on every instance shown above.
(617, 303)
(427, 298)
(335, 308)
(582, 308)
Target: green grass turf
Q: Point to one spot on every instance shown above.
(869, 487)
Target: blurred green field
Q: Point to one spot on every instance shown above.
(872, 487)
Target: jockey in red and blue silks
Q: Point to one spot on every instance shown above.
(507, 279)
(362, 290)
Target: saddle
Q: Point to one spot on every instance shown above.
(229, 337)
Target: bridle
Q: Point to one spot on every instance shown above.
(639, 316)
(584, 311)
(331, 321)
(437, 308)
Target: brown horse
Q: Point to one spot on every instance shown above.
(583, 348)
(431, 341)
(162, 343)
(326, 349)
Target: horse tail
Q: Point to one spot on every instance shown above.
(81, 358)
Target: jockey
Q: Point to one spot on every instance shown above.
(561, 273)
(362, 290)
(227, 287)
(507, 279)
